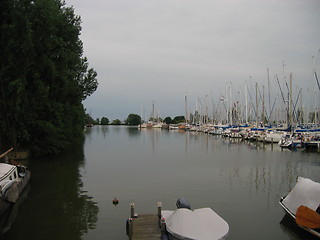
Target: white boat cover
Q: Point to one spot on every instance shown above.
(200, 224)
(305, 193)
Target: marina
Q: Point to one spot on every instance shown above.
(241, 180)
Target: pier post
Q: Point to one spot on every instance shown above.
(163, 225)
(132, 209)
(130, 228)
(159, 209)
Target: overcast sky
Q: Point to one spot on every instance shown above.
(162, 50)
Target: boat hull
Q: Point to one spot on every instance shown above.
(305, 193)
(14, 193)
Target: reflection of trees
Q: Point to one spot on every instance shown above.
(56, 207)
(9, 216)
(133, 131)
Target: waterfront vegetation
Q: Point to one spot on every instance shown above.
(44, 76)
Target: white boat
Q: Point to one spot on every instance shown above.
(274, 137)
(305, 193)
(198, 224)
(158, 125)
(13, 180)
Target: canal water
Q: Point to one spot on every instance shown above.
(70, 196)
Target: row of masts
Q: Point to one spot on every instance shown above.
(229, 110)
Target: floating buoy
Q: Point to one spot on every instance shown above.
(115, 201)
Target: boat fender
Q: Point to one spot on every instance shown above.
(162, 224)
(22, 171)
(128, 222)
(127, 227)
(12, 194)
(5, 186)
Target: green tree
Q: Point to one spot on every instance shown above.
(116, 122)
(133, 119)
(89, 120)
(168, 120)
(41, 99)
(104, 121)
(178, 119)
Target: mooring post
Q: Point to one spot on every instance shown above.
(159, 209)
(132, 209)
(163, 225)
(130, 228)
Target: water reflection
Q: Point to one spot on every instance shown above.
(9, 216)
(290, 228)
(57, 207)
(240, 180)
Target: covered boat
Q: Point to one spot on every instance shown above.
(198, 224)
(303, 204)
(13, 180)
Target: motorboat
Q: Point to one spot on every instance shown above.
(13, 180)
(303, 205)
(198, 224)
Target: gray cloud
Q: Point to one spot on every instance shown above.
(147, 50)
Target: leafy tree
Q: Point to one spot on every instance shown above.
(89, 120)
(43, 76)
(168, 120)
(178, 119)
(104, 121)
(133, 119)
(116, 122)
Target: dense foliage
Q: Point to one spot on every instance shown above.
(116, 122)
(133, 119)
(167, 120)
(43, 75)
(178, 119)
(104, 121)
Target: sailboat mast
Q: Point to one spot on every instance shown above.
(230, 92)
(290, 101)
(246, 99)
(257, 119)
(269, 95)
(186, 107)
(263, 107)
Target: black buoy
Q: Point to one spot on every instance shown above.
(115, 201)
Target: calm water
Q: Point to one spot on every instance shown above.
(70, 196)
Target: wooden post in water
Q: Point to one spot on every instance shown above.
(159, 209)
(130, 228)
(132, 210)
(162, 225)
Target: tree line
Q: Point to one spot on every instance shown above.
(132, 119)
(44, 76)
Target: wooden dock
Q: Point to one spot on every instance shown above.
(145, 226)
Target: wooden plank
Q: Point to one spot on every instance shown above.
(5, 153)
(146, 227)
